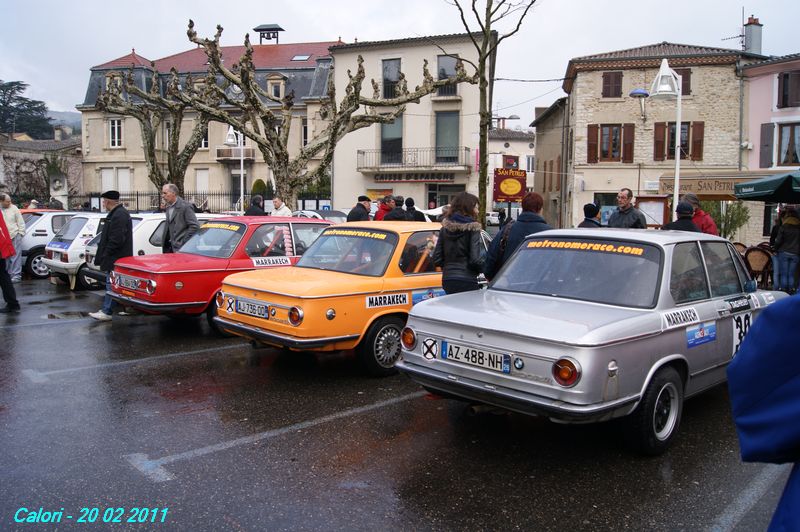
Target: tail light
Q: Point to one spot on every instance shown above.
(149, 286)
(566, 372)
(220, 299)
(65, 257)
(295, 316)
(408, 338)
(49, 254)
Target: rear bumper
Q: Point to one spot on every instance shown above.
(56, 266)
(159, 308)
(260, 335)
(472, 390)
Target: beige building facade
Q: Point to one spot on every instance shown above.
(430, 152)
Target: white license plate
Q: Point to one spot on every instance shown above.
(476, 357)
(56, 255)
(128, 282)
(252, 309)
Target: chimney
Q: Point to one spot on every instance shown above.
(58, 132)
(752, 36)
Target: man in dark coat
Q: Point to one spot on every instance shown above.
(256, 207)
(684, 221)
(398, 213)
(627, 216)
(116, 242)
(360, 213)
(181, 220)
(412, 214)
(591, 216)
(506, 241)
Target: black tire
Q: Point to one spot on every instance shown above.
(211, 312)
(654, 423)
(34, 266)
(84, 282)
(380, 348)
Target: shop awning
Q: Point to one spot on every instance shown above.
(717, 185)
(780, 188)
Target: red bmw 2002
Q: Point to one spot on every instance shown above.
(185, 283)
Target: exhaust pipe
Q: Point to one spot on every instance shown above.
(480, 408)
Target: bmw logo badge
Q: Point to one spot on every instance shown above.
(518, 363)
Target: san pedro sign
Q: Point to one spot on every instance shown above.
(509, 184)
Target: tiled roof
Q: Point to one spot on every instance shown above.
(774, 61)
(264, 56)
(650, 56)
(511, 134)
(660, 50)
(433, 39)
(43, 145)
(126, 61)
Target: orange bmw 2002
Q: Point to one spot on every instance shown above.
(353, 288)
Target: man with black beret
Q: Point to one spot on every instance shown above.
(116, 242)
(360, 213)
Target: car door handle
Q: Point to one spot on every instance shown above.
(724, 312)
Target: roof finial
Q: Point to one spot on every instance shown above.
(133, 51)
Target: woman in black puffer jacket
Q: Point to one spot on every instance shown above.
(459, 250)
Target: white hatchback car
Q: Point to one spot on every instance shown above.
(65, 253)
(40, 228)
(148, 238)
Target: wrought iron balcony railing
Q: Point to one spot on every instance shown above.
(424, 158)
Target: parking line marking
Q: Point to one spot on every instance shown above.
(42, 323)
(42, 376)
(737, 509)
(154, 470)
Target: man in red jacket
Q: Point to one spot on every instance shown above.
(385, 207)
(701, 218)
(7, 251)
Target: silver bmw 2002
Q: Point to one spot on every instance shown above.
(585, 325)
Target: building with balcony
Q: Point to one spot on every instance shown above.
(429, 152)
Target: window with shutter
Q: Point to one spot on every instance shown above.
(789, 144)
(612, 84)
(789, 89)
(766, 143)
(659, 140)
(684, 146)
(627, 143)
(591, 148)
(686, 80)
(697, 141)
(610, 142)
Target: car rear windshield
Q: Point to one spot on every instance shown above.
(30, 217)
(71, 230)
(358, 251)
(602, 271)
(215, 239)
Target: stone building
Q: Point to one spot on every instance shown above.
(510, 148)
(610, 140)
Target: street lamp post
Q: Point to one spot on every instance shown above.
(668, 85)
(234, 140)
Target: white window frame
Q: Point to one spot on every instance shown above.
(115, 139)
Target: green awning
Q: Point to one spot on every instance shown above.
(780, 188)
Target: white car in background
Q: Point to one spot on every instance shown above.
(65, 252)
(40, 228)
(148, 238)
(492, 218)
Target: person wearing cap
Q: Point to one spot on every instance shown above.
(684, 221)
(385, 207)
(360, 212)
(591, 216)
(181, 220)
(701, 218)
(116, 242)
(412, 214)
(627, 216)
(16, 230)
(256, 207)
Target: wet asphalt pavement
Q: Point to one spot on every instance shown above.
(148, 412)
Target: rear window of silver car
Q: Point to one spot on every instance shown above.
(620, 273)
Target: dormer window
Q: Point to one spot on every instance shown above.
(113, 79)
(275, 84)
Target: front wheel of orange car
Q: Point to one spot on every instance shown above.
(380, 348)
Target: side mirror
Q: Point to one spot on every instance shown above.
(750, 286)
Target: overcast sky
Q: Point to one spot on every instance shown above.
(51, 45)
